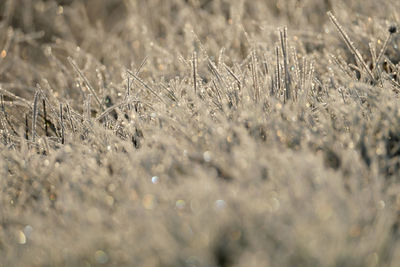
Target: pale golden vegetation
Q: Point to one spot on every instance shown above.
(199, 133)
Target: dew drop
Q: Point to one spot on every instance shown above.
(207, 156)
(220, 204)
(155, 179)
(21, 238)
(381, 204)
(149, 202)
(28, 231)
(180, 204)
(101, 257)
(60, 10)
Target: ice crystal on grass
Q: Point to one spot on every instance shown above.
(199, 133)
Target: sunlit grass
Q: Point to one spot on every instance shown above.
(199, 133)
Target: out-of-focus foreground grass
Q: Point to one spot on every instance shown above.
(199, 133)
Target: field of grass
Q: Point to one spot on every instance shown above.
(199, 133)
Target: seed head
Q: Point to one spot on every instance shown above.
(392, 29)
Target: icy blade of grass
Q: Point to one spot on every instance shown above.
(53, 113)
(296, 72)
(144, 61)
(46, 130)
(22, 100)
(113, 107)
(146, 86)
(26, 127)
(5, 114)
(350, 44)
(70, 119)
(254, 73)
(83, 77)
(88, 107)
(276, 92)
(34, 115)
(234, 77)
(392, 30)
(284, 46)
(62, 124)
(194, 69)
(372, 50)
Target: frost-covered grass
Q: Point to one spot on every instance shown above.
(199, 133)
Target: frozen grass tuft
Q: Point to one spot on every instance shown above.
(199, 133)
